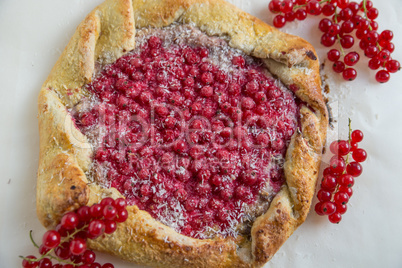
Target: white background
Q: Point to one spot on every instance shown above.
(32, 36)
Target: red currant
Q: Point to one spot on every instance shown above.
(392, 66)
(27, 263)
(274, 6)
(351, 58)
(333, 55)
(324, 25)
(346, 180)
(301, 14)
(341, 209)
(341, 198)
(77, 246)
(313, 7)
(328, 208)
(70, 221)
(354, 169)
(328, 183)
(318, 209)
(338, 66)
(359, 155)
(279, 21)
(51, 239)
(357, 135)
(335, 217)
(286, 6)
(347, 41)
(382, 76)
(386, 35)
(328, 9)
(349, 74)
(324, 195)
(96, 228)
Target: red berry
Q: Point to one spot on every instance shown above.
(341, 198)
(359, 155)
(353, 146)
(347, 27)
(109, 212)
(346, 180)
(274, 6)
(347, 41)
(343, 147)
(107, 265)
(337, 165)
(96, 228)
(286, 6)
(63, 251)
(354, 7)
(335, 217)
(95, 211)
(83, 213)
(328, 183)
(26, 263)
(384, 55)
(372, 13)
(351, 58)
(374, 63)
(333, 55)
(347, 190)
(369, 5)
(77, 246)
(386, 35)
(328, 9)
(279, 21)
(110, 226)
(120, 203)
(334, 30)
(371, 51)
(301, 14)
(382, 76)
(313, 7)
(328, 208)
(324, 195)
(341, 209)
(345, 14)
(122, 215)
(342, 3)
(354, 169)
(70, 221)
(318, 209)
(338, 66)
(328, 40)
(324, 25)
(349, 74)
(106, 201)
(88, 257)
(357, 135)
(392, 66)
(290, 16)
(45, 263)
(371, 37)
(390, 47)
(51, 239)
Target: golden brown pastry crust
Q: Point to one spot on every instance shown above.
(105, 35)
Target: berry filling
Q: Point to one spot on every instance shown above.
(190, 130)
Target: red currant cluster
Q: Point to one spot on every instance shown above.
(67, 243)
(338, 178)
(345, 18)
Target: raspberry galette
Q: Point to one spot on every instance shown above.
(208, 121)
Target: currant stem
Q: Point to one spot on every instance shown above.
(32, 240)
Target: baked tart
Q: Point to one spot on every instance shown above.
(209, 122)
